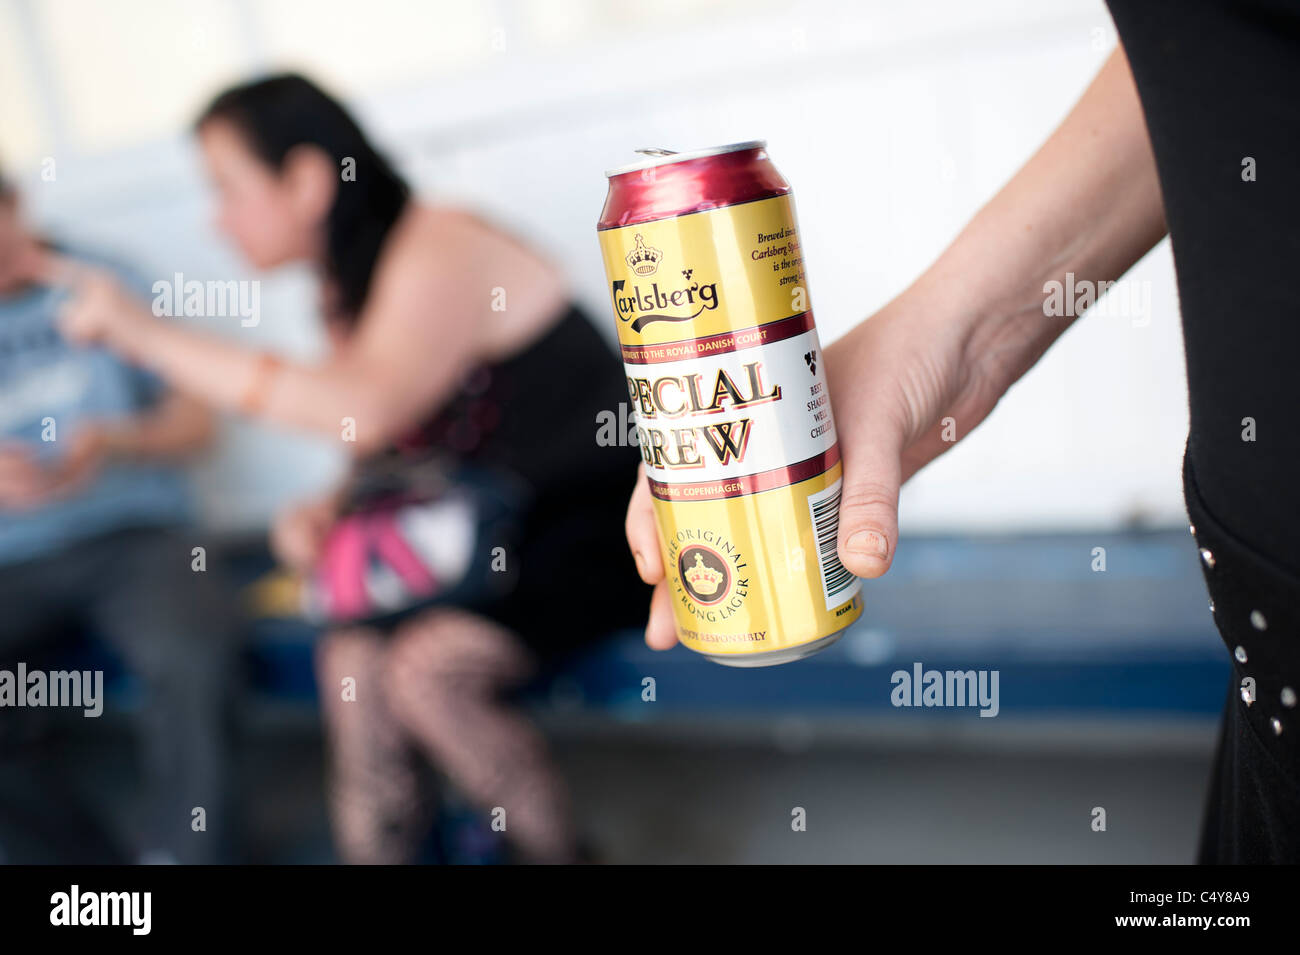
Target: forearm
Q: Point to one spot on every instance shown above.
(398, 364)
(314, 398)
(1087, 203)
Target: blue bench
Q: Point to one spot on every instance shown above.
(1136, 638)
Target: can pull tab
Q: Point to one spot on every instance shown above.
(655, 151)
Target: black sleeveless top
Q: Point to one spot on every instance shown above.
(535, 419)
(535, 413)
(1220, 88)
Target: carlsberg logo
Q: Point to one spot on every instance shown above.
(645, 306)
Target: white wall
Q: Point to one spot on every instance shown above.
(894, 123)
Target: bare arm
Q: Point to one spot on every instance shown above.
(423, 327)
(1087, 202)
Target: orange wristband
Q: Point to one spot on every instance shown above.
(254, 397)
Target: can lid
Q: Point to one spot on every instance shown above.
(666, 157)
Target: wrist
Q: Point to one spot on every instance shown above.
(993, 309)
(943, 313)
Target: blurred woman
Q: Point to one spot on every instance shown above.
(478, 535)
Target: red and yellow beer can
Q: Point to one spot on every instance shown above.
(727, 386)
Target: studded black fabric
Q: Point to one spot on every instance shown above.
(1220, 88)
(1253, 811)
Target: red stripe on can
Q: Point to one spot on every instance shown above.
(719, 344)
(724, 488)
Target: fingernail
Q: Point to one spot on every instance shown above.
(870, 544)
(640, 565)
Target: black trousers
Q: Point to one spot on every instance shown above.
(175, 630)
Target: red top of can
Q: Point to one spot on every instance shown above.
(681, 183)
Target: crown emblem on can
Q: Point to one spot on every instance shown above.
(703, 580)
(643, 259)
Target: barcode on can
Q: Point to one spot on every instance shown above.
(838, 585)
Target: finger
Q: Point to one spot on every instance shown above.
(868, 532)
(660, 630)
(643, 532)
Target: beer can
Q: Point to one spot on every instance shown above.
(727, 387)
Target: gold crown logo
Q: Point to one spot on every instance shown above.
(703, 580)
(643, 259)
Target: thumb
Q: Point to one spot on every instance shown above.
(868, 530)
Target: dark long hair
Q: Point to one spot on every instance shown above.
(280, 112)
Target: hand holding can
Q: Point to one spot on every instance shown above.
(727, 383)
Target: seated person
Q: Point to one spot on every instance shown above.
(92, 507)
